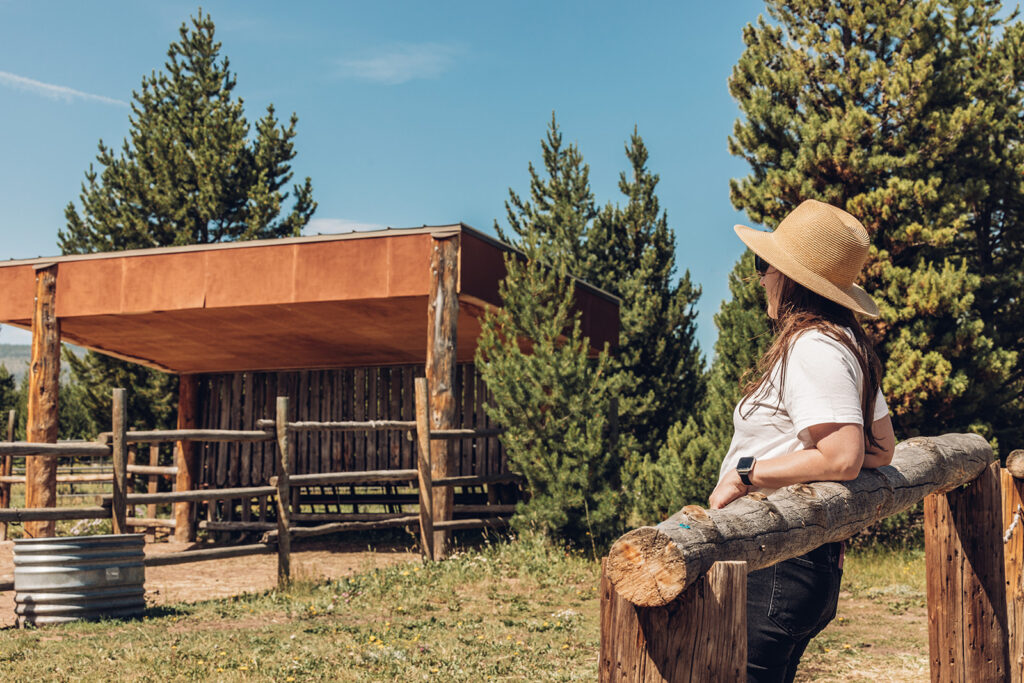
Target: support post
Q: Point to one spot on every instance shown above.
(119, 447)
(426, 482)
(1013, 554)
(43, 385)
(6, 467)
(967, 633)
(442, 321)
(699, 636)
(152, 479)
(185, 458)
(284, 464)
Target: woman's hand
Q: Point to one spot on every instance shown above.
(728, 490)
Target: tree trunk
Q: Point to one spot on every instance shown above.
(652, 565)
(43, 385)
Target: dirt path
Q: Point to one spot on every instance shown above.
(221, 578)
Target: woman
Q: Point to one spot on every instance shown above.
(812, 412)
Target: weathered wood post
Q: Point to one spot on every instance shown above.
(119, 448)
(43, 385)
(967, 634)
(1012, 480)
(284, 465)
(426, 482)
(442, 321)
(699, 636)
(6, 468)
(185, 458)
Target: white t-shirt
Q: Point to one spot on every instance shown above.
(823, 384)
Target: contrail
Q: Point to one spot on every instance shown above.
(54, 92)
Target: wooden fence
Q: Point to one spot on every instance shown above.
(673, 596)
(281, 487)
(237, 401)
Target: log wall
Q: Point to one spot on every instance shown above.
(237, 400)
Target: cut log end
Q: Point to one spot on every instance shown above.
(646, 568)
(1015, 463)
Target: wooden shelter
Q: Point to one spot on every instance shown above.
(339, 323)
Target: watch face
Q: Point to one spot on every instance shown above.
(745, 464)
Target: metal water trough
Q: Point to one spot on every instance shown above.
(63, 579)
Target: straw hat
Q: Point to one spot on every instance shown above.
(822, 248)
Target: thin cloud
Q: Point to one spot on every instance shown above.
(328, 226)
(401, 63)
(54, 92)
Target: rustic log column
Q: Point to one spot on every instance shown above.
(43, 384)
(442, 320)
(285, 447)
(1013, 556)
(966, 591)
(699, 636)
(185, 457)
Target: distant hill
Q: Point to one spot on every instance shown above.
(17, 357)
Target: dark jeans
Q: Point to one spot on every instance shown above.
(787, 605)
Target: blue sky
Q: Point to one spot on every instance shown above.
(410, 113)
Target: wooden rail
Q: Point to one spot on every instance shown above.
(655, 579)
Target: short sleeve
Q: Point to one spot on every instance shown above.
(822, 383)
(881, 407)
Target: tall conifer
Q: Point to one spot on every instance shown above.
(631, 253)
(188, 173)
(908, 115)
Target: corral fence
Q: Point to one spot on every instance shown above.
(673, 596)
(283, 487)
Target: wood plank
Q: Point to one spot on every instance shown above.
(186, 458)
(301, 447)
(153, 478)
(245, 457)
(71, 449)
(473, 523)
(234, 420)
(359, 415)
(362, 477)
(223, 415)
(372, 413)
(484, 465)
(26, 515)
(43, 389)
(150, 523)
(424, 469)
(408, 444)
(468, 414)
(119, 448)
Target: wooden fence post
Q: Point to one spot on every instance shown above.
(185, 458)
(43, 387)
(1013, 553)
(426, 483)
(442, 323)
(6, 467)
(967, 633)
(119, 447)
(284, 539)
(699, 636)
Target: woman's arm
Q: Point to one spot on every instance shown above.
(883, 433)
(838, 455)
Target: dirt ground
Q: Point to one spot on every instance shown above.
(222, 578)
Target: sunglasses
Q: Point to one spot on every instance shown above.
(760, 265)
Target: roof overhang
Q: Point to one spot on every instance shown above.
(356, 299)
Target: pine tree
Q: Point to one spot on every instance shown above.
(552, 398)
(686, 468)
(561, 209)
(631, 252)
(188, 173)
(908, 115)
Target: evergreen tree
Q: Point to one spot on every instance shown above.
(686, 469)
(188, 173)
(552, 398)
(631, 252)
(908, 115)
(560, 211)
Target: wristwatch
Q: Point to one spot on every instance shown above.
(744, 467)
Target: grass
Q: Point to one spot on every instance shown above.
(522, 610)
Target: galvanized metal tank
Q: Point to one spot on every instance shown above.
(78, 577)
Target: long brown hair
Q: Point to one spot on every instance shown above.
(799, 310)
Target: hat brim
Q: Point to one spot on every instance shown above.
(762, 244)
